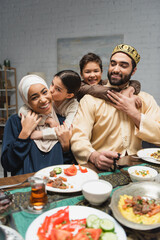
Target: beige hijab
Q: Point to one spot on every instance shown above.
(24, 85)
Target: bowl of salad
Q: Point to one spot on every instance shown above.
(142, 173)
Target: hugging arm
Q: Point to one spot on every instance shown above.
(136, 85)
(100, 91)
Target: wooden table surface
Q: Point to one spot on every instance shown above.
(127, 161)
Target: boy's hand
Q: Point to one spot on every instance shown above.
(128, 92)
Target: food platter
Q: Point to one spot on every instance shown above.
(146, 153)
(74, 181)
(144, 189)
(75, 212)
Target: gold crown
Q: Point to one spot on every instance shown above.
(131, 51)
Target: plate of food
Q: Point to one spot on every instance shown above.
(69, 221)
(137, 205)
(150, 155)
(66, 178)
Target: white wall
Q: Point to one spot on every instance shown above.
(29, 30)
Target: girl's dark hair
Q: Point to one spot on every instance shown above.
(70, 79)
(90, 57)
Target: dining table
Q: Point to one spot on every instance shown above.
(19, 219)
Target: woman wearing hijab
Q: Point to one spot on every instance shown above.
(21, 154)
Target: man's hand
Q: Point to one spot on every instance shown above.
(129, 92)
(138, 101)
(103, 160)
(126, 105)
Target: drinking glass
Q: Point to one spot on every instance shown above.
(38, 197)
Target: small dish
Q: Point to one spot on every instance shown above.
(96, 191)
(142, 173)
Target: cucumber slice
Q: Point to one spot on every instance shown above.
(108, 236)
(106, 225)
(96, 223)
(57, 170)
(90, 219)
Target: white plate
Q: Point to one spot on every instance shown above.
(11, 233)
(146, 153)
(75, 181)
(75, 212)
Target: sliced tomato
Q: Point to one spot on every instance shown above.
(63, 179)
(58, 234)
(71, 171)
(81, 236)
(74, 224)
(41, 233)
(88, 233)
(83, 170)
(49, 184)
(51, 221)
(61, 216)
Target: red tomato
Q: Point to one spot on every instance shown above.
(51, 221)
(87, 234)
(74, 224)
(83, 170)
(80, 236)
(71, 171)
(58, 234)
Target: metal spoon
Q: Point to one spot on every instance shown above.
(13, 185)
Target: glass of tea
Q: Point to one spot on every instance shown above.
(38, 197)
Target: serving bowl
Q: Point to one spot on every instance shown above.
(142, 173)
(144, 189)
(96, 191)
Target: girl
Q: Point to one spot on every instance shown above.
(64, 88)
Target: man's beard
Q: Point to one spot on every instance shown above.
(119, 82)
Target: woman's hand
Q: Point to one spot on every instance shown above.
(29, 123)
(64, 135)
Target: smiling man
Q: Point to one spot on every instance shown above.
(101, 129)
